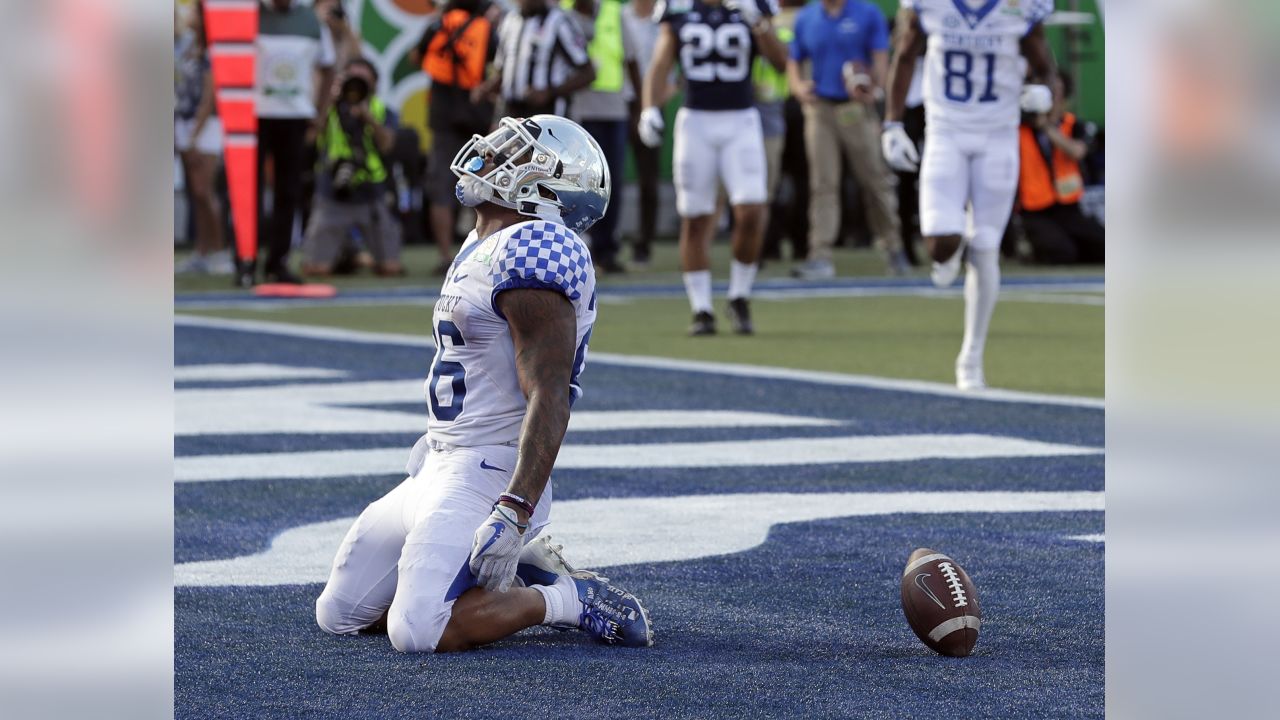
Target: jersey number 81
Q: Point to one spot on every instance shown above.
(731, 41)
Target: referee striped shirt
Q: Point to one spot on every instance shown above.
(538, 53)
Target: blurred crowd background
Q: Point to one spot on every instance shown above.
(422, 76)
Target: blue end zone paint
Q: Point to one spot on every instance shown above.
(806, 625)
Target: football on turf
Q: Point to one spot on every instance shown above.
(940, 603)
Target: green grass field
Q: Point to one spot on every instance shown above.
(1035, 346)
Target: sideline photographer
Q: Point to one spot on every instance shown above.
(356, 136)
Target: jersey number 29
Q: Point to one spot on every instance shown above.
(731, 41)
(958, 83)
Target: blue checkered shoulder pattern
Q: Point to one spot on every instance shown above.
(541, 254)
(1038, 10)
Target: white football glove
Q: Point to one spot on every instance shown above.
(899, 151)
(747, 9)
(651, 127)
(496, 550)
(1036, 99)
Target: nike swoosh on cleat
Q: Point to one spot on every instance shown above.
(920, 584)
(486, 466)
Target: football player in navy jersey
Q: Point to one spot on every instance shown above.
(718, 138)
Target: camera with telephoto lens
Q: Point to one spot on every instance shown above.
(353, 91)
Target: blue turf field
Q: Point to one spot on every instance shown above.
(807, 624)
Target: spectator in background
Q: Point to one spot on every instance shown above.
(846, 43)
(295, 60)
(771, 97)
(346, 41)
(1050, 186)
(541, 61)
(601, 109)
(454, 51)
(909, 181)
(197, 137)
(642, 27)
(354, 141)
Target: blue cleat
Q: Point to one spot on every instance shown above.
(610, 614)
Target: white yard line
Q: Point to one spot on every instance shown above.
(314, 464)
(620, 531)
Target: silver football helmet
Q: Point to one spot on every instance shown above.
(545, 166)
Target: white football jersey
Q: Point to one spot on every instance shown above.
(473, 392)
(973, 65)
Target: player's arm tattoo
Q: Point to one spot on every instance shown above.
(544, 331)
(1035, 47)
(910, 45)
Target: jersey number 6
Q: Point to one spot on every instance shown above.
(441, 368)
(732, 42)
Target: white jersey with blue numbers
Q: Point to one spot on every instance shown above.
(973, 64)
(473, 392)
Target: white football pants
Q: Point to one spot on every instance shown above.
(408, 552)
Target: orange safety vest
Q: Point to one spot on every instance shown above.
(1037, 190)
(456, 55)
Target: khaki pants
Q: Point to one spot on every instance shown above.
(329, 230)
(854, 129)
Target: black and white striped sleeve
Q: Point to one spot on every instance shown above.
(571, 41)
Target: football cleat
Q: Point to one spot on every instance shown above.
(610, 614)
(969, 375)
(704, 323)
(815, 270)
(542, 563)
(739, 312)
(944, 273)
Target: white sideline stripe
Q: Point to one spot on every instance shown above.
(342, 408)
(250, 371)
(946, 628)
(766, 453)
(738, 370)
(1099, 538)
(608, 532)
(923, 561)
(305, 331)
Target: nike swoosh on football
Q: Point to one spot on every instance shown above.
(920, 584)
(486, 466)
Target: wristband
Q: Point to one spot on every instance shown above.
(510, 515)
(518, 502)
(891, 124)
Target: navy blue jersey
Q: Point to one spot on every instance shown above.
(715, 49)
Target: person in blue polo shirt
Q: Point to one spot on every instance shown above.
(845, 46)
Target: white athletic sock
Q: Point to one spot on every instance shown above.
(981, 288)
(562, 602)
(741, 277)
(697, 285)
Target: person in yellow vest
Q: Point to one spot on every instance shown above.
(602, 109)
(1051, 184)
(357, 134)
(771, 96)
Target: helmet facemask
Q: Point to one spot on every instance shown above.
(510, 162)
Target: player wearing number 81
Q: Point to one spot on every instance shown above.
(974, 69)
(718, 137)
(438, 556)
